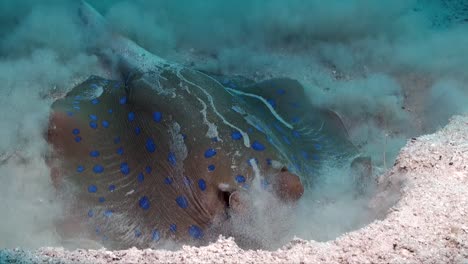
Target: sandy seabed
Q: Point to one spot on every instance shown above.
(428, 224)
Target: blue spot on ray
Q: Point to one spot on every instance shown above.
(110, 111)
(210, 153)
(77, 139)
(155, 235)
(236, 135)
(258, 146)
(120, 151)
(168, 180)
(111, 188)
(157, 116)
(93, 117)
(92, 188)
(116, 140)
(137, 131)
(95, 101)
(211, 167)
(123, 100)
(138, 233)
(150, 146)
(101, 199)
(90, 213)
(202, 184)
(131, 116)
(124, 169)
(171, 158)
(182, 202)
(294, 104)
(93, 125)
(195, 232)
(240, 179)
(278, 127)
(80, 168)
(76, 131)
(94, 153)
(296, 134)
(173, 228)
(108, 213)
(144, 203)
(148, 169)
(105, 124)
(140, 177)
(272, 102)
(98, 169)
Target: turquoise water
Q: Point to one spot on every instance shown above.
(390, 70)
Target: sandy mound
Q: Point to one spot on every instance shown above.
(429, 224)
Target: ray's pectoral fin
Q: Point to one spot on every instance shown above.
(298, 121)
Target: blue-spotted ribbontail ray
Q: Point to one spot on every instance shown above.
(160, 151)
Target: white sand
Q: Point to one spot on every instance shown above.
(429, 224)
